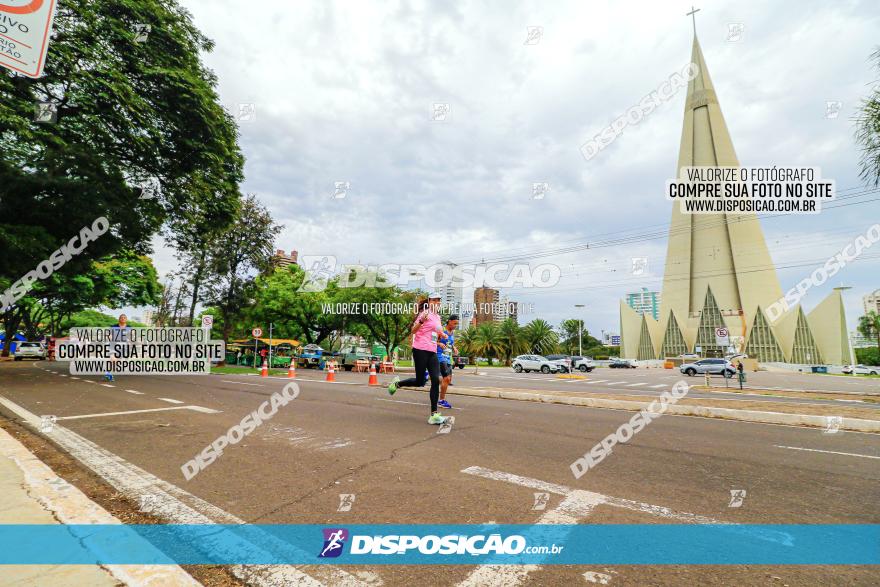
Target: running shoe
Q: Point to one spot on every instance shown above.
(444, 404)
(393, 387)
(436, 418)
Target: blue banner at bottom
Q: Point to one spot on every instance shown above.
(615, 544)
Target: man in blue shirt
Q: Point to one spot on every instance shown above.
(445, 350)
(120, 335)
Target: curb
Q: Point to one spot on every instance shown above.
(851, 424)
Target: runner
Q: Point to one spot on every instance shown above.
(445, 350)
(120, 335)
(426, 331)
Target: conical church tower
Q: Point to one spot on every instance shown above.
(718, 269)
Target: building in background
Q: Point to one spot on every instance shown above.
(280, 260)
(871, 302)
(505, 309)
(451, 294)
(149, 318)
(485, 300)
(719, 274)
(645, 302)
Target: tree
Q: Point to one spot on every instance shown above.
(540, 336)
(487, 341)
(465, 341)
(237, 255)
(869, 326)
(129, 114)
(512, 340)
(126, 279)
(868, 132)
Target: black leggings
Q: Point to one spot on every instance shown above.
(425, 360)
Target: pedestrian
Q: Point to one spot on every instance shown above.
(426, 330)
(120, 334)
(445, 351)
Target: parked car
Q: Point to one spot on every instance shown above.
(621, 364)
(29, 350)
(865, 370)
(582, 364)
(564, 362)
(530, 363)
(711, 366)
(460, 362)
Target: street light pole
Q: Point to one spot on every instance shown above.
(580, 332)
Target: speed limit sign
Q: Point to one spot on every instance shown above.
(257, 332)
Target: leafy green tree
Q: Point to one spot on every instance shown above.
(129, 115)
(868, 131)
(388, 328)
(237, 255)
(869, 326)
(93, 319)
(464, 340)
(541, 337)
(512, 340)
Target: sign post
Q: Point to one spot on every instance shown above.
(257, 333)
(25, 27)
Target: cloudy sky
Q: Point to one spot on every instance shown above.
(344, 91)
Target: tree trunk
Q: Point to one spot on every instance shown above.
(196, 285)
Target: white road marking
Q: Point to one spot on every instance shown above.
(241, 382)
(577, 506)
(62, 374)
(134, 391)
(658, 386)
(107, 385)
(598, 380)
(830, 452)
(193, 408)
(400, 401)
(647, 508)
(170, 401)
(70, 506)
(636, 384)
(181, 507)
(72, 377)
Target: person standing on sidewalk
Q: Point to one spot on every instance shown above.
(426, 331)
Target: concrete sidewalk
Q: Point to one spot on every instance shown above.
(34, 494)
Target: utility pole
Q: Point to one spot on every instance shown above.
(580, 332)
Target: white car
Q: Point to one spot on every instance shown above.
(529, 363)
(863, 370)
(29, 350)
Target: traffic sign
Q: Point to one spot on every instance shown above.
(207, 321)
(25, 27)
(722, 337)
(257, 332)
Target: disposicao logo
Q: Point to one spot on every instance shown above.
(334, 542)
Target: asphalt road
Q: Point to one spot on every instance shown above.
(347, 438)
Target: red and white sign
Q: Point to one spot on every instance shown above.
(207, 321)
(257, 332)
(25, 26)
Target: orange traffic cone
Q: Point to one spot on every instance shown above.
(265, 371)
(331, 372)
(373, 379)
(291, 372)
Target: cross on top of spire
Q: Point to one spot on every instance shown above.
(693, 16)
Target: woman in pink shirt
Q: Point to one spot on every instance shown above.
(426, 330)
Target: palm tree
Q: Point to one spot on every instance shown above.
(540, 336)
(869, 326)
(868, 132)
(511, 337)
(487, 341)
(464, 341)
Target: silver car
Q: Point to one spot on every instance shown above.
(529, 363)
(711, 366)
(29, 350)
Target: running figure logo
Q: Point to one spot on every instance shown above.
(737, 497)
(334, 541)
